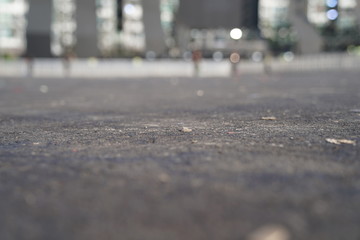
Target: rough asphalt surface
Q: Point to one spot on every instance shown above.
(256, 157)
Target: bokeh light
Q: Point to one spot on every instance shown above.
(235, 58)
(236, 33)
(331, 3)
(332, 14)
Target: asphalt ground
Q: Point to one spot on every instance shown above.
(253, 157)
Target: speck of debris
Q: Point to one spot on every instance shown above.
(272, 118)
(277, 145)
(355, 110)
(186, 130)
(340, 141)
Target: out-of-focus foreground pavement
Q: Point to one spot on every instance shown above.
(256, 157)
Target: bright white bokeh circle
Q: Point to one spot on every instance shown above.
(236, 33)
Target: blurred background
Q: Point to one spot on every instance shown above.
(158, 29)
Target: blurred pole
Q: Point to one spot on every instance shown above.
(86, 31)
(196, 59)
(154, 34)
(39, 29)
(235, 61)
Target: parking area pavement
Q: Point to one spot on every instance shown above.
(258, 157)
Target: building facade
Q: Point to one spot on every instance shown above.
(337, 21)
(148, 27)
(92, 28)
(12, 27)
(38, 31)
(206, 25)
(48, 28)
(63, 27)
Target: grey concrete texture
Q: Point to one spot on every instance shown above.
(253, 157)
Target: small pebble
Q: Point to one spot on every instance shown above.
(164, 178)
(44, 89)
(30, 199)
(186, 130)
(200, 93)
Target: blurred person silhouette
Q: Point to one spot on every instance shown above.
(196, 59)
(30, 66)
(267, 63)
(66, 61)
(234, 60)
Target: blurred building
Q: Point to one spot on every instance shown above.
(63, 27)
(85, 28)
(154, 33)
(106, 14)
(152, 28)
(273, 15)
(206, 25)
(148, 26)
(307, 40)
(132, 36)
(169, 9)
(309, 26)
(12, 27)
(322, 13)
(38, 32)
(348, 15)
(80, 28)
(337, 21)
(202, 14)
